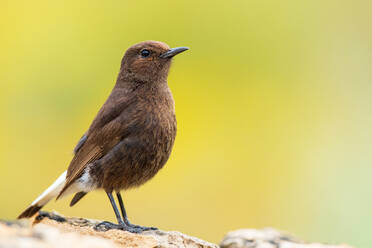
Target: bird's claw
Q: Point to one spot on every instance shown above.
(141, 228)
(105, 226)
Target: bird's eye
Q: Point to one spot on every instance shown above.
(145, 53)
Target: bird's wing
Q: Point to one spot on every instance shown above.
(88, 153)
(80, 143)
(105, 132)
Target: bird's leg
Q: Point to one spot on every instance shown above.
(125, 217)
(105, 226)
(122, 208)
(117, 214)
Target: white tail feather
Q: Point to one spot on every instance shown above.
(51, 192)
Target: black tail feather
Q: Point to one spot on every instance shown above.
(30, 211)
(77, 198)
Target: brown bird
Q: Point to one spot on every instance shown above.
(130, 139)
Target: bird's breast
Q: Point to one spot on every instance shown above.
(146, 142)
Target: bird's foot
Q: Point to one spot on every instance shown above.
(141, 228)
(105, 226)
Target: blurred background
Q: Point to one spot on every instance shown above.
(274, 105)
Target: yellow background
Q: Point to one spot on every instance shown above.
(274, 104)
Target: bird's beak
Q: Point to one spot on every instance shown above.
(173, 52)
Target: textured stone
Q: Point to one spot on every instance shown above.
(267, 238)
(54, 230)
(51, 230)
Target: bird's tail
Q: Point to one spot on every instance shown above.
(45, 197)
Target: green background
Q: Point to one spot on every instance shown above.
(274, 104)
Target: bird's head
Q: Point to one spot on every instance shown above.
(148, 61)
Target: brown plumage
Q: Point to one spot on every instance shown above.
(132, 136)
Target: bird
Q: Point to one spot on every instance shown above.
(129, 140)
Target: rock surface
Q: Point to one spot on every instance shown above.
(267, 238)
(54, 230)
(51, 230)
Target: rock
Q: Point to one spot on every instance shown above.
(267, 238)
(42, 235)
(54, 230)
(51, 230)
